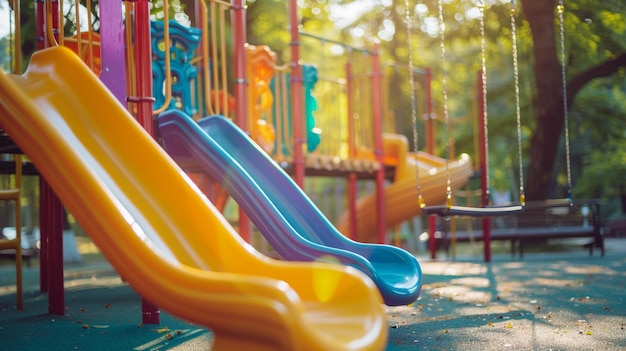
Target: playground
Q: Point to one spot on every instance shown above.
(559, 301)
(192, 160)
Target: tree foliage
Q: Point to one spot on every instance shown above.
(595, 57)
(589, 57)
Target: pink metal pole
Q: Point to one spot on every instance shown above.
(240, 87)
(378, 145)
(483, 168)
(296, 96)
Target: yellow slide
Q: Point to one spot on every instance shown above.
(162, 235)
(401, 196)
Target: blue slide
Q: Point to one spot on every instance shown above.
(283, 213)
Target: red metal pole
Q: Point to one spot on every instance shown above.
(352, 211)
(40, 34)
(430, 123)
(350, 108)
(352, 180)
(56, 287)
(430, 148)
(378, 145)
(144, 99)
(51, 214)
(51, 217)
(483, 167)
(143, 57)
(240, 87)
(40, 12)
(241, 81)
(432, 242)
(296, 96)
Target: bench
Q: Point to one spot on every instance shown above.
(30, 244)
(27, 255)
(616, 227)
(540, 221)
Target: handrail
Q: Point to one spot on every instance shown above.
(49, 28)
(168, 64)
(212, 49)
(131, 72)
(205, 58)
(17, 60)
(332, 41)
(89, 33)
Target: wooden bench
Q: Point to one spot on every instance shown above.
(539, 221)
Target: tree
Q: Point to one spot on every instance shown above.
(595, 41)
(549, 96)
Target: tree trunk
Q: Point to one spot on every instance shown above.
(549, 100)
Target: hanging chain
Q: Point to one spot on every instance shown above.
(409, 31)
(561, 10)
(444, 83)
(483, 77)
(513, 13)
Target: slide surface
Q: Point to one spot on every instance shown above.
(284, 214)
(163, 235)
(401, 196)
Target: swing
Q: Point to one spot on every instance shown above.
(449, 209)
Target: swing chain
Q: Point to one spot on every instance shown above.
(561, 10)
(444, 88)
(518, 119)
(485, 116)
(420, 198)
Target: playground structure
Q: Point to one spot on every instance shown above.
(196, 82)
(284, 214)
(155, 229)
(315, 126)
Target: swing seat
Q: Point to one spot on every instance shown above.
(490, 211)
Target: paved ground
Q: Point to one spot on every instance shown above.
(547, 301)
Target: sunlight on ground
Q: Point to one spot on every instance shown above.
(194, 336)
(461, 294)
(557, 282)
(93, 281)
(591, 270)
(8, 290)
(454, 268)
(477, 282)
